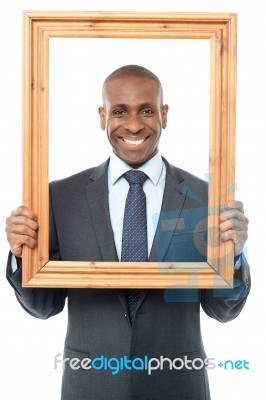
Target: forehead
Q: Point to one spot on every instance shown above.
(131, 89)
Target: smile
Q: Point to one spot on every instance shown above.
(134, 142)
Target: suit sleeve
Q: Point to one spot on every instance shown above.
(38, 302)
(225, 304)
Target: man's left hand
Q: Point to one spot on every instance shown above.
(234, 224)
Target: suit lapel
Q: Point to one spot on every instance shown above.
(173, 202)
(172, 205)
(97, 196)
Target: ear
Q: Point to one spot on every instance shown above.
(102, 118)
(164, 115)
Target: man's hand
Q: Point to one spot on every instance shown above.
(234, 224)
(21, 228)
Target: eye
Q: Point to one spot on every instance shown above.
(119, 113)
(147, 111)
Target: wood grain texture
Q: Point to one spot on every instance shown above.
(39, 28)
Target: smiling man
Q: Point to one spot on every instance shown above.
(134, 207)
(133, 127)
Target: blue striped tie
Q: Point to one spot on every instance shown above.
(134, 239)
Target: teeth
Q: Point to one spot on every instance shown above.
(134, 141)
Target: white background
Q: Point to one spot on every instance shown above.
(28, 345)
(78, 68)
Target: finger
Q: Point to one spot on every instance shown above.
(17, 241)
(232, 214)
(21, 229)
(234, 204)
(234, 224)
(238, 226)
(229, 235)
(238, 238)
(241, 232)
(24, 216)
(24, 211)
(20, 240)
(21, 221)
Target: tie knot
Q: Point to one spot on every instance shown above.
(135, 176)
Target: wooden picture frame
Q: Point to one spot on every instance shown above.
(220, 30)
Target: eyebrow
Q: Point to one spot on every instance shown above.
(119, 106)
(144, 105)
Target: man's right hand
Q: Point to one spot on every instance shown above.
(21, 228)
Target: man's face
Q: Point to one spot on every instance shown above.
(133, 116)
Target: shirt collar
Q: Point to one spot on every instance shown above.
(152, 168)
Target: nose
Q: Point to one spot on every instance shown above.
(133, 123)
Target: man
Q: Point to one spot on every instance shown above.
(88, 222)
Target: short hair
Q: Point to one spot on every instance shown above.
(133, 70)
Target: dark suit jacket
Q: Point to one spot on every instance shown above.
(167, 322)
